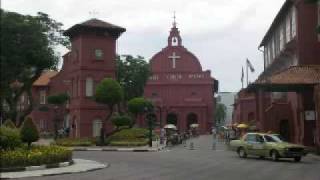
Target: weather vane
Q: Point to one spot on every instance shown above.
(174, 19)
(93, 13)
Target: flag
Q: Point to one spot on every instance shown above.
(250, 65)
(242, 75)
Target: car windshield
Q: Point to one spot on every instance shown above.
(272, 138)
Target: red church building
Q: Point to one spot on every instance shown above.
(91, 59)
(182, 92)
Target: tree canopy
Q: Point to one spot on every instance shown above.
(108, 92)
(27, 49)
(138, 105)
(58, 99)
(132, 74)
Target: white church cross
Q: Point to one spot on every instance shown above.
(174, 57)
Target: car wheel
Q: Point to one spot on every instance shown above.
(274, 155)
(261, 157)
(242, 153)
(297, 159)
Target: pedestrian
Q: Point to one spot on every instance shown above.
(184, 139)
(214, 138)
(162, 135)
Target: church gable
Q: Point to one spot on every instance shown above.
(175, 57)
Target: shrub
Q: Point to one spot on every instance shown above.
(121, 120)
(129, 134)
(35, 156)
(9, 138)
(8, 123)
(75, 142)
(29, 132)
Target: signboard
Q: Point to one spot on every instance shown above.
(310, 115)
(174, 76)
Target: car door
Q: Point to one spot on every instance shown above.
(250, 141)
(259, 145)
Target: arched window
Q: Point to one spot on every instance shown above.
(96, 126)
(89, 87)
(174, 41)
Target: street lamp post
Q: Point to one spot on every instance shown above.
(150, 124)
(160, 116)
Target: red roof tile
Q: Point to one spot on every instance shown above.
(308, 75)
(44, 79)
(94, 24)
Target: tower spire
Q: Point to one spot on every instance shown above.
(174, 19)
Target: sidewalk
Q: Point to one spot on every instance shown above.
(80, 165)
(155, 147)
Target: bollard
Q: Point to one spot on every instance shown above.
(214, 146)
(191, 146)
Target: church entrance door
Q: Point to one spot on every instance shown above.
(284, 129)
(192, 118)
(172, 118)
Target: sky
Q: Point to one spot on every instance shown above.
(222, 34)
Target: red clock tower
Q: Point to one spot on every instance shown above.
(91, 59)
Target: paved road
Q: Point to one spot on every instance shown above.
(198, 164)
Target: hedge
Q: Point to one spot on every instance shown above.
(142, 142)
(37, 155)
(133, 134)
(75, 142)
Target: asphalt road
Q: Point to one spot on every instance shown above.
(201, 163)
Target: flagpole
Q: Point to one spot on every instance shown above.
(242, 76)
(247, 73)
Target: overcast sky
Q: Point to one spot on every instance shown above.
(221, 33)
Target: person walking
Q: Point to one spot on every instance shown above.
(214, 138)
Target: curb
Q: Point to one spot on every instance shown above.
(41, 167)
(119, 149)
(79, 166)
(314, 156)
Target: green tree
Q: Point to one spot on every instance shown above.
(132, 74)
(27, 49)
(220, 114)
(29, 132)
(121, 120)
(109, 93)
(58, 101)
(137, 106)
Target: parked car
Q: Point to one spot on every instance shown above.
(267, 145)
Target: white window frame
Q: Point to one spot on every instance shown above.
(98, 54)
(43, 98)
(288, 28)
(96, 126)
(281, 37)
(89, 86)
(42, 124)
(293, 22)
